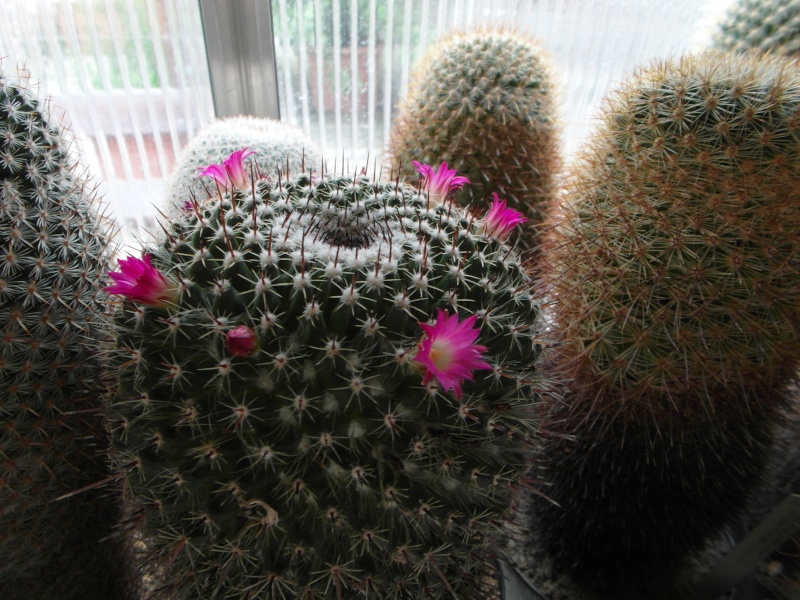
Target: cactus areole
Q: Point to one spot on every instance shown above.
(298, 422)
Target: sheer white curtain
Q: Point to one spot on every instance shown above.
(132, 75)
(343, 65)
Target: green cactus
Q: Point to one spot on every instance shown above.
(278, 146)
(761, 25)
(276, 416)
(484, 102)
(54, 251)
(672, 268)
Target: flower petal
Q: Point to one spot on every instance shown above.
(500, 220)
(448, 352)
(140, 282)
(442, 180)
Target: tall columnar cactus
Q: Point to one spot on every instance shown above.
(672, 269)
(761, 25)
(326, 388)
(484, 102)
(278, 147)
(54, 251)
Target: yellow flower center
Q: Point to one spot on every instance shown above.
(441, 355)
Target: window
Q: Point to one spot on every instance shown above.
(135, 77)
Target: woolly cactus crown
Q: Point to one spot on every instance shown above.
(277, 146)
(334, 402)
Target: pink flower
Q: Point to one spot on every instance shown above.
(440, 181)
(499, 221)
(230, 172)
(448, 351)
(140, 282)
(241, 341)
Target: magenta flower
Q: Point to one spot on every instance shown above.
(441, 181)
(499, 221)
(241, 341)
(140, 282)
(230, 172)
(448, 352)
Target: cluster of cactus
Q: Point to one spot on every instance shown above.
(761, 25)
(673, 271)
(54, 253)
(484, 102)
(326, 386)
(278, 147)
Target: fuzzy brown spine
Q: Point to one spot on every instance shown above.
(671, 272)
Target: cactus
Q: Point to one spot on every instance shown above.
(325, 388)
(484, 101)
(761, 25)
(54, 250)
(278, 145)
(672, 268)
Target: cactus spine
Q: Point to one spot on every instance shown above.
(278, 147)
(54, 251)
(761, 25)
(673, 271)
(274, 417)
(484, 102)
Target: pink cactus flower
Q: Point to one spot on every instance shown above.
(140, 282)
(499, 221)
(230, 172)
(441, 181)
(241, 341)
(448, 352)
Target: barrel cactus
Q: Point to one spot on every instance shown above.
(484, 102)
(325, 390)
(761, 25)
(672, 272)
(278, 147)
(56, 519)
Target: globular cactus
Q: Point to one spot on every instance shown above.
(54, 251)
(484, 102)
(672, 273)
(761, 25)
(278, 147)
(326, 391)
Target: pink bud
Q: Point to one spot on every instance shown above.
(241, 341)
